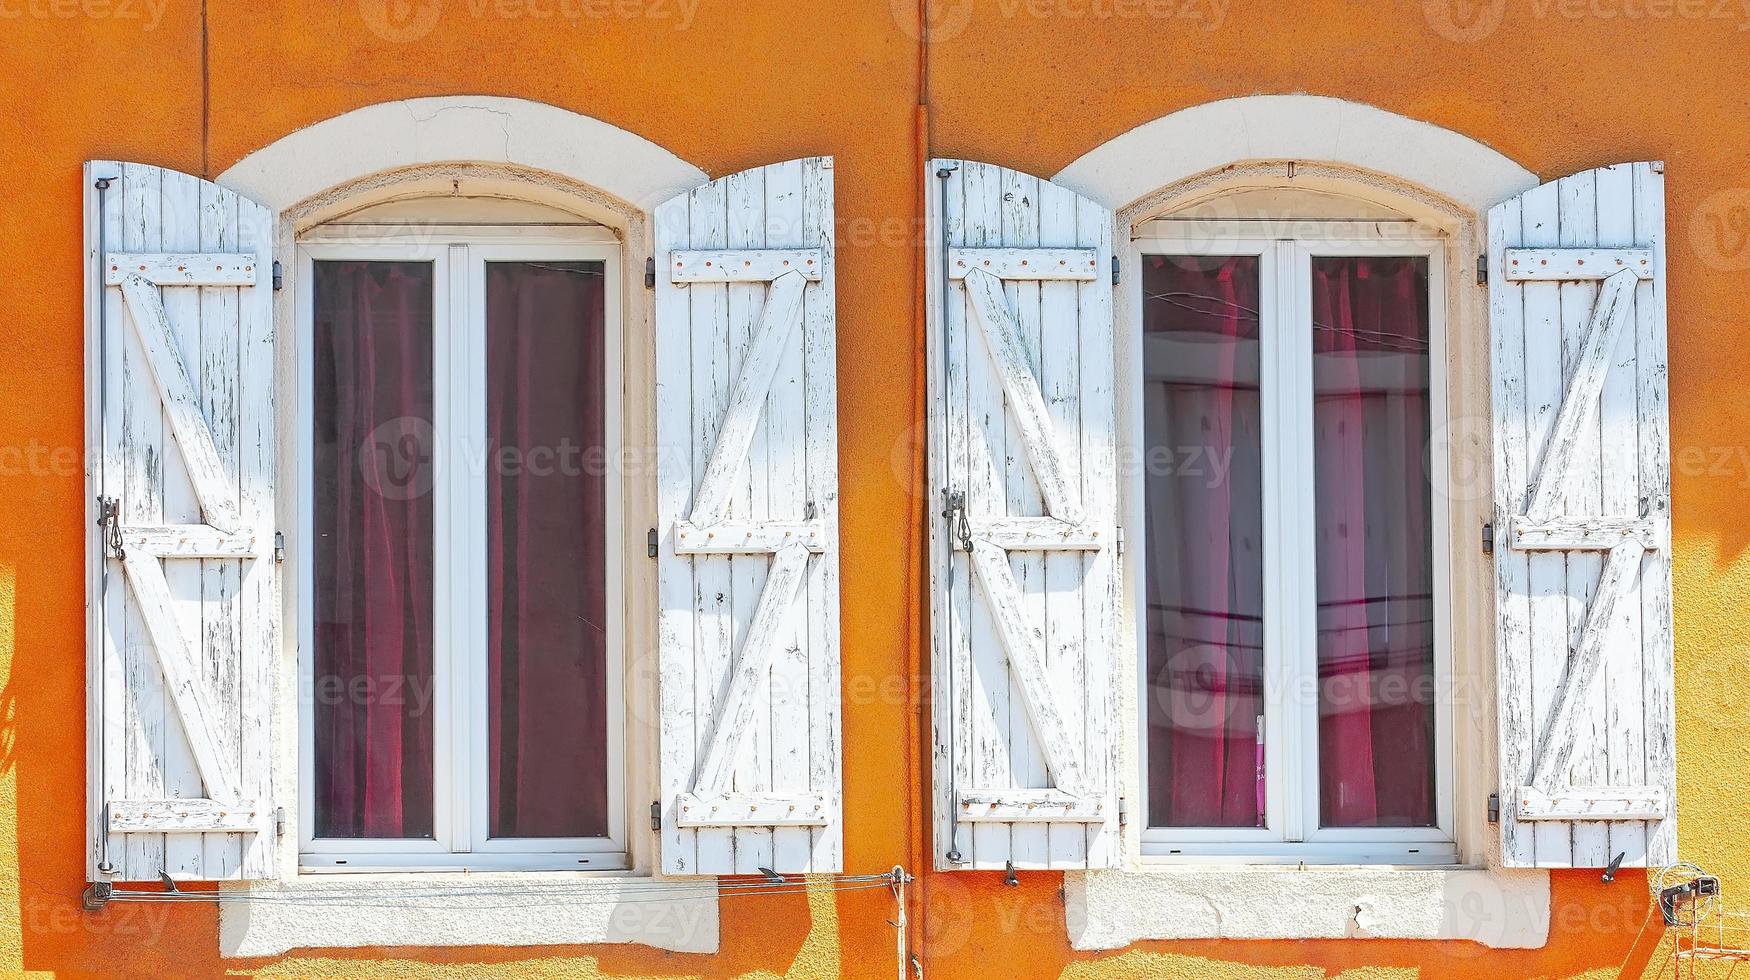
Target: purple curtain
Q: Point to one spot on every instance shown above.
(1375, 564)
(1205, 541)
(547, 618)
(372, 682)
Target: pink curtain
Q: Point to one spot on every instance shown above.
(1375, 566)
(372, 682)
(1205, 541)
(547, 618)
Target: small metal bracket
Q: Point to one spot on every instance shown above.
(1488, 539)
(655, 814)
(169, 884)
(772, 876)
(1494, 807)
(650, 543)
(1609, 874)
(1117, 270)
(279, 546)
(1009, 875)
(96, 894)
(279, 276)
(650, 272)
(1482, 270)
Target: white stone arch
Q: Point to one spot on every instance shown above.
(493, 130)
(1306, 128)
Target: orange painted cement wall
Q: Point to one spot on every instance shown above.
(729, 84)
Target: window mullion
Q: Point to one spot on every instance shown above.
(459, 517)
(1277, 437)
(1297, 654)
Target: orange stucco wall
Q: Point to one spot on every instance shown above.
(728, 84)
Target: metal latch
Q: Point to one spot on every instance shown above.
(959, 528)
(109, 518)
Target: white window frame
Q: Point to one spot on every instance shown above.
(459, 253)
(1292, 834)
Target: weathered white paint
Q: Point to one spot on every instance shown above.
(182, 625)
(1498, 909)
(491, 909)
(180, 268)
(1583, 485)
(755, 810)
(398, 135)
(1025, 263)
(184, 817)
(1592, 803)
(1023, 579)
(747, 537)
(746, 407)
(745, 264)
(1218, 134)
(1576, 264)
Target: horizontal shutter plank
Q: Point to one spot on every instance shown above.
(1037, 534)
(753, 809)
(1592, 803)
(1582, 533)
(745, 264)
(182, 268)
(1030, 806)
(183, 817)
(747, 537)
(1025, 263)
(1576, 264)
(189, 541)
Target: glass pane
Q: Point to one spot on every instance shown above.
(547, 616)
(372, 685)
(1374, 542)
(1205, 515)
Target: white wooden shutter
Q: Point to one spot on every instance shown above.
(746, 425)
(1023, 534)
(1582, 495)
(183, 609)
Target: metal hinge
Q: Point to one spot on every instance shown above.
(1494, 807)
(279, 821)
(650, 543)
(109, 518)
(1482, 270)
(1117, 268)
(1488, 539)
(1120, 540)
(655, 814)
(1123, 812)
(650, 272)
(279, 546)
(279, 276)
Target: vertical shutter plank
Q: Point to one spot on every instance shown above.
(1060, 379)
(820, 408)
(142, 501)
(713, 573)
(1582, 492)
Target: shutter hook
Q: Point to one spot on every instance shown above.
(1009, 875)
